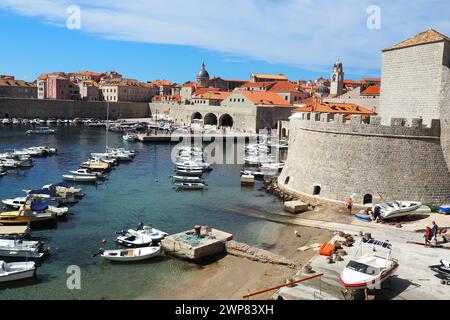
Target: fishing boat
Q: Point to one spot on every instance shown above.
(397, 209)
(130, 137)
(128, 255)
(21, 249)
(186, 179)
(16, 270)
(41, 130)
(79, 178)
(190, 185)
(369, 270)
(443, 269)
(142, 236)
(25, 215)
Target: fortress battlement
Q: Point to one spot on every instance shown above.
(336, 123)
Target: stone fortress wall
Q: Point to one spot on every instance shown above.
(69, 109)
(334, 159)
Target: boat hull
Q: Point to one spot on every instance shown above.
(369, 284)
(138, 254)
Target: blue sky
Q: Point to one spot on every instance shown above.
(157, 39)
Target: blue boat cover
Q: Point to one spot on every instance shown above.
(39, 206)
(51, 192)
(62, 184)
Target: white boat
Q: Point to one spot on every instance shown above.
(190, 185)
(256, 174)
(3, 172)
(142, 236)
(21, 249)
(397, 209)
(15, 203)
(130, 137)
(189, 172)
(137, 254)
(369, 270)
(41, 130)
(6, 121)
(186, 179)
(88, 173)
(9, 163)
(273, 166)
(79, 178)
(16, 270)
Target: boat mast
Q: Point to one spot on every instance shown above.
(107, 126)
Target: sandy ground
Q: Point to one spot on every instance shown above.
(230, 277)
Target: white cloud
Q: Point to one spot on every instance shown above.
(307, 33)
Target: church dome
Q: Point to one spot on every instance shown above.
(203, 73)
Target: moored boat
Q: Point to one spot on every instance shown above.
(79, 178)
(41, 130)
(142, 236)
(190, 185)
(16, 270)
(128, 255)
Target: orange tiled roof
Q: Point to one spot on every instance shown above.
(364, 80)
(265, 84)
(15, 83)
(372, 91)
(162, 83)
(284, 86)
(190, 84)
(201, 91)
(215, 95)
(264, 98)
(428, 36)
(312, 105)
(272, 76)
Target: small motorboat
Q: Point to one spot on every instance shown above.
(79, 178)
(190, 185)
(130, 137)
(88, 173)
(21, 249)
(187, 179)
(189, 172)
(443, 269)
(3, 172)
(397, 209)
(256, 174)
(96, 165)
(369, 270)
(16, 270)
(41, 130)
(128, 255)
(142, 236)
(25, 215)
(15, 203)
(444, 209)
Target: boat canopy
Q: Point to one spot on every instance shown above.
(50, 192)
(61, 184)
(384, 244)
(40, 206)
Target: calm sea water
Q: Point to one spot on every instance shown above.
(129, 196)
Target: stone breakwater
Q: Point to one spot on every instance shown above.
(255, 254)
(273, 188)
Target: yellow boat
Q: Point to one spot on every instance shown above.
(24, 216)
(96, 166)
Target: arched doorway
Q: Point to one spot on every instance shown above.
(211, 119)
(367, 199)
(226, 121)
(317, 190)
(196, 116)
(283, 133)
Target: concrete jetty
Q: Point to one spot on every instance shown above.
(196, 244)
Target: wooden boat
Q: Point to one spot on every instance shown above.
(79, 178)
(369, 270)
(397, 209)
(190, 185)
(24, 216)
(129, 255)
(16, 270)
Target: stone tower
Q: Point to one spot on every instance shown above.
(337, 80)
(415, 78)
(203, 77)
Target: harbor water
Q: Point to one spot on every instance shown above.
(140, 191)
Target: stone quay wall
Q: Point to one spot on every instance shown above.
(333, 160)
(69, 109)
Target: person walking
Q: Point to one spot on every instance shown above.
(434, 232)
(349, 204)
(427, 236)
